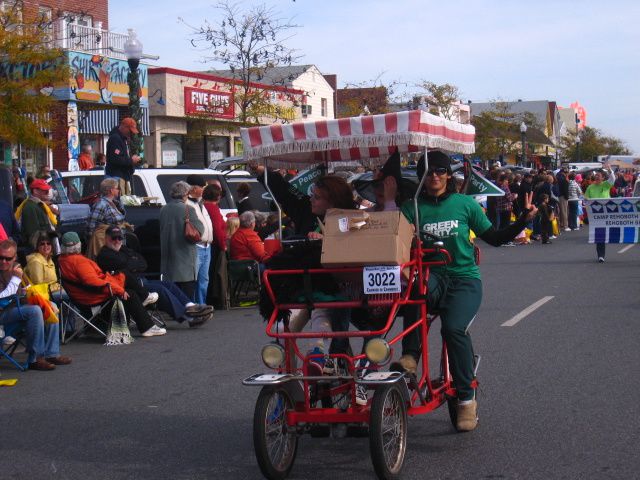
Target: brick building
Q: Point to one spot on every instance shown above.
(97, 94)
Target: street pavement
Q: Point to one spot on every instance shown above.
(559, 390)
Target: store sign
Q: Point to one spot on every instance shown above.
(209, 103)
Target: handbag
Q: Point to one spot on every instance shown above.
(191, 233)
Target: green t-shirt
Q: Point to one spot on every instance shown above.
(451, 219)
(598, 191)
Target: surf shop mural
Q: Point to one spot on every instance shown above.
(95, 78)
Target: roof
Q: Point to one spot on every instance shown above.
(272, 76)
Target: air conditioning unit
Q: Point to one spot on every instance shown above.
(306, 110)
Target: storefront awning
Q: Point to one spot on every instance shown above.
(102, 121)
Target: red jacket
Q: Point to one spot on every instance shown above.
(85, 162)
(219, 225)
(78, 269)
(247, 245)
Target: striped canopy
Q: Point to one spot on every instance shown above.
(369, 138)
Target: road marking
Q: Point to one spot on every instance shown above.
(530, 309)
(626, 248)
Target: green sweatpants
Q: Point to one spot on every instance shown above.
(457, 299)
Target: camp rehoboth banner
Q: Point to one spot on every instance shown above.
(614, 220)
(476, 185)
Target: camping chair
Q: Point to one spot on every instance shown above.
(17, 332)
(243, 277)
(91, 315)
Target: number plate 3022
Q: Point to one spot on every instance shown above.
(382, 279)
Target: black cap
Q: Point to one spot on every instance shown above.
(196, 180)
(437, 159)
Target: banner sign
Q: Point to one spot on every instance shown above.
(477, 185)
(208, 103)
(614, 220)
(304, 180)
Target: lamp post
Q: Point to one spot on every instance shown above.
(523, 140)
(133, 51)
(577, 147)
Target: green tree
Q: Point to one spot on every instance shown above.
(443, 99)
(29, 69)
(249, 44)
(592, 144)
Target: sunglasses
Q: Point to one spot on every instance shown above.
(116, 239)
(6, 259)
(437, 171)
(44, 243)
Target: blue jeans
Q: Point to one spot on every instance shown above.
(202, 267)
(43, 340)
(170, 298)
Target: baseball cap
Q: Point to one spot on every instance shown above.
(114, 231)
(131, 123)
(70, 238)
(40, 184)
(196, 180)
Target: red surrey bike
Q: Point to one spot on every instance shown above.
(295, 397)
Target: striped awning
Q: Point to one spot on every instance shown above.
(102, 121)
(357, 138)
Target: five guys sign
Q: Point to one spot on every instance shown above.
(210, 103)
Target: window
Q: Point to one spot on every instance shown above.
(323, 107)
(166, 180)
(78, 33)
(171, 146)
(45, 19)
(260, 198)
(80, 187)
(11, 14)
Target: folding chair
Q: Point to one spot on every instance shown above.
(243, 277)
(90, 315)
(16, 331)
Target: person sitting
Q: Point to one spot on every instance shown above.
(87, 284)
(40, 267)
(43, 340)
(115, 257)
(107, 211)
(246, 243)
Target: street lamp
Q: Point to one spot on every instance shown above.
(523, 140)
(133, 51)
(578, 147)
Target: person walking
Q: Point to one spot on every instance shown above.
(120, 164)
(563, 200)
(600, 189)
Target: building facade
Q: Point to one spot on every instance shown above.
(96, 95)
(194, 115)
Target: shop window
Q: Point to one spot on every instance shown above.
(238, 148)
(217, 148)
(171, 150)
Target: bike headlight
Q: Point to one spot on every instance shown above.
(272, 355)
(377, 350)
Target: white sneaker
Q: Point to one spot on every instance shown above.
(155, 331)
(567, 229)
(600, 259)
(8, 340)
(151, 298)
(361, 395)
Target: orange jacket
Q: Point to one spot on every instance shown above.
(247, 245)
(79, 270)
(85, 162)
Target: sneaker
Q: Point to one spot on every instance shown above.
(600, 259)
(567, 229)
(317, 360)
(467, 416)
(8, 340)
(361, 394)
(155, 331)
(553, 237)
(329, 367)
(151, 298)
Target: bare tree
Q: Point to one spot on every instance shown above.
(249, 44)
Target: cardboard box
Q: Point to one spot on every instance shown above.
(356, 237)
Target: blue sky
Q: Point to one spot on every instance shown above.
(544, 50)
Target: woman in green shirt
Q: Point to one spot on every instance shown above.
(600, 189)
(454, 290)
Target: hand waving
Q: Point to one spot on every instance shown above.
(528, 197)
